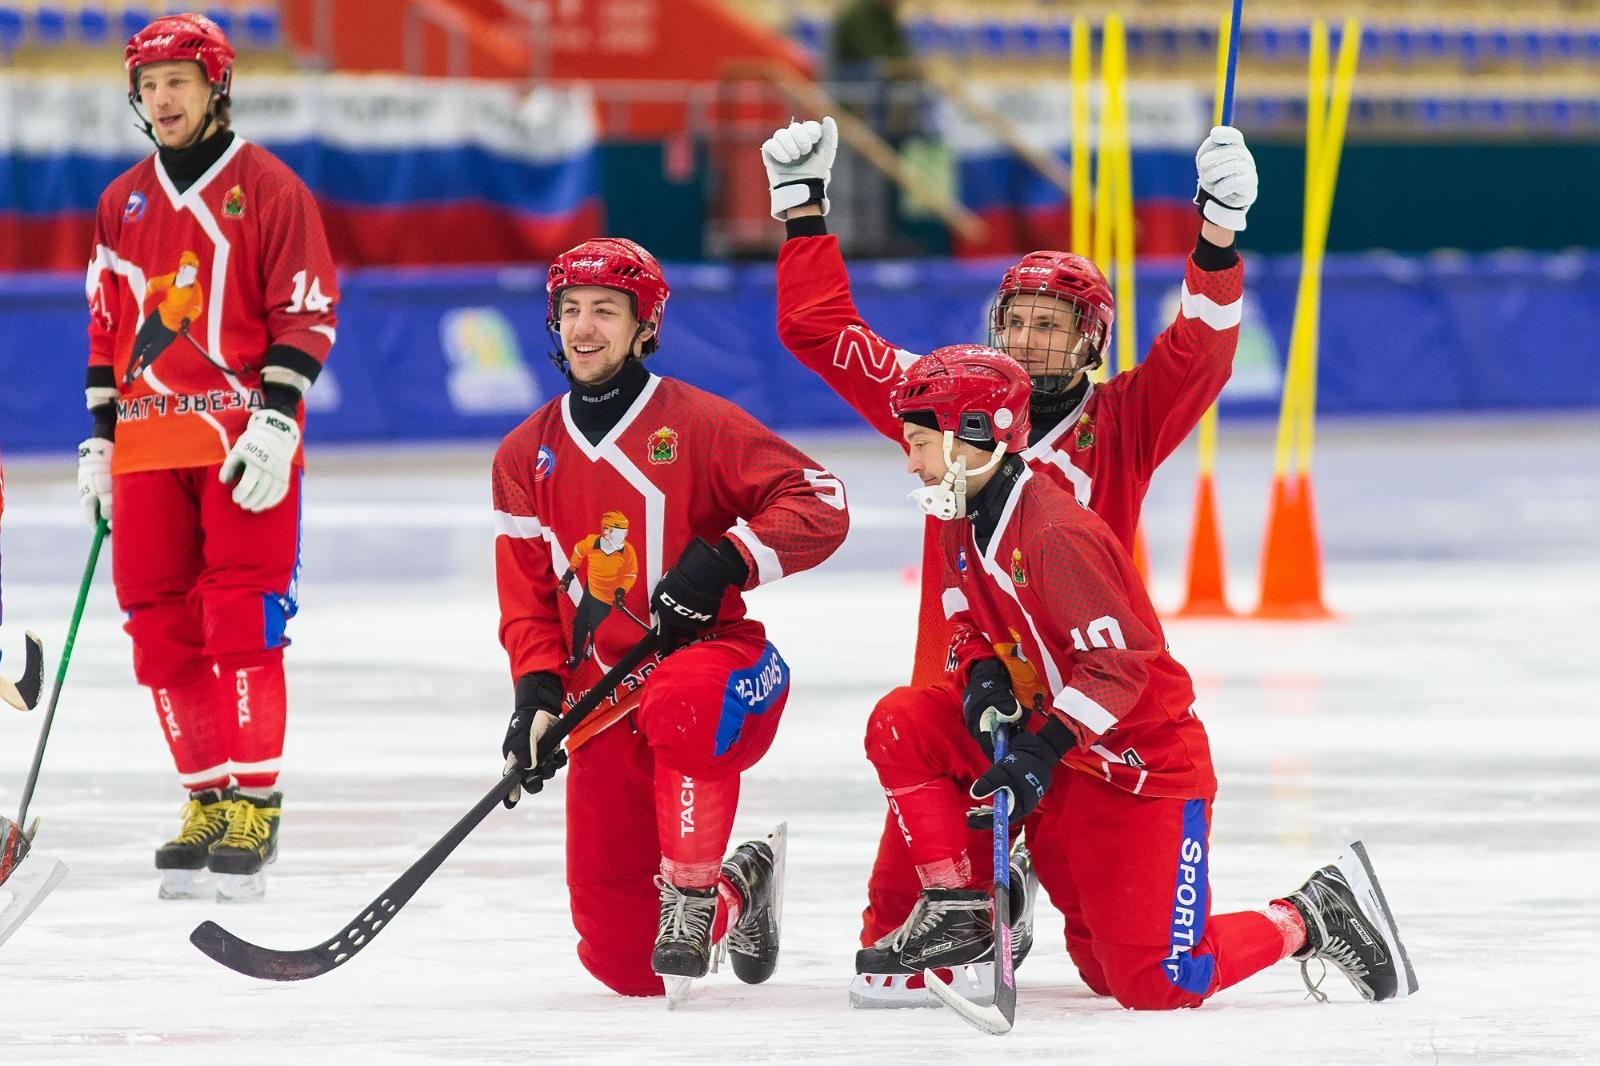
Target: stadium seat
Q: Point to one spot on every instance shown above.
(262, 27)
(93, 25)
(49, 26)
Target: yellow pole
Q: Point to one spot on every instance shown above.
(1104, 181)
(1290, 407)
(1081, 242)
(1338, 115)
(1207, 440)
(1116, 60)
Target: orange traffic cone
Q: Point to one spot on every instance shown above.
(1291, 559)
(1141, 555)
(1207, 594)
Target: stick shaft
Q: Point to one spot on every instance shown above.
(1235, 21)
(100, 530)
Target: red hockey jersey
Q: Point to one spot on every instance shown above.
(1059, 601)
(188, 290)
(1104, 452)
(680, 464)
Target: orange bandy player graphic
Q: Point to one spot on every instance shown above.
(611, 567)
(179, 300)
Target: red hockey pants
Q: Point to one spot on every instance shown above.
(208, 589)
(1130, 874)
(663, 783)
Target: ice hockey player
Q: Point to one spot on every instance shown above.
(211, 310)
(712, 504)
(1109, 768)
(1053, 312)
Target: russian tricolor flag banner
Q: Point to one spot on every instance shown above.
(406, 170)
(1166, 123)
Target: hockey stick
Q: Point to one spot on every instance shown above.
(269, 964)
(1235, 20)
(23, 693)
(998, 1017)
(101, 528)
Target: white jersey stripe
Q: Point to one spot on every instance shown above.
(1217, 316)
(768, 566)
(1071, 702)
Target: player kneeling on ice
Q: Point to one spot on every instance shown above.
(635, 495)
(1109, 769)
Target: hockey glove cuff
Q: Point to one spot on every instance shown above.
(988, 698)
(94, 478)
(1227, 183)
(538, 697)
(687, 598)
(1025, 773)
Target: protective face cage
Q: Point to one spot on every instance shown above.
(1052, 354)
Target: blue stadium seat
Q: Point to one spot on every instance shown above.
(1061, 37)
(1564, 43)
(10, 28)
(262, 27)
(93, 25)
(49, 26)
(1027, 39)
(991, 37)
(810, 34)
(1530, 46)
(223, 17)
(925, 34)
(134, 19)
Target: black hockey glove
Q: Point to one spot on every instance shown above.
(687, 598)
(1025, 771)
(989, 689)
(537, 709)
(620, 597)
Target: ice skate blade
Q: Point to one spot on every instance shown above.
(679, 989)
(29, 882)
(186, 884)
(241, 888)
(1364, 883)
(892, 991)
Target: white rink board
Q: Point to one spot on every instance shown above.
(1448, 719)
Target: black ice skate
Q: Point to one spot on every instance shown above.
(1024, 893)
(182, 860)
(1348, 923)
(683, 936)
(884, 980)
(756, 870)
(248, 844)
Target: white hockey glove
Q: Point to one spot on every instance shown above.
(1228, 180)
(262, 460)
(94, 478)
(799, 162)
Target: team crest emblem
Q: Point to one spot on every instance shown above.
(961, 560)
(545, 464)
(133, 210)
(233, 203)
(1085, 433)
(1017, 575)
(663, 446)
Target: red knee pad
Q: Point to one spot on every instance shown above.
(168, 648)
(240, 624)
(712, 709)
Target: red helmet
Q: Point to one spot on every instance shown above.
(614, 263)
(181, 38)
(1066, 277)
(976, 392)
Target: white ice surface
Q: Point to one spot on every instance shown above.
(1447, 718)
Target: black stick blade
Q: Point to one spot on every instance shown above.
(24, 693)
(265, 964)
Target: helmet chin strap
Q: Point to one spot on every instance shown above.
(948, 499)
